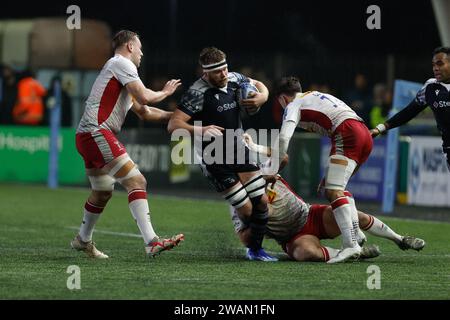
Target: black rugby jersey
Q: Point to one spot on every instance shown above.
(212, 105)
(216, 106)
(435, 95)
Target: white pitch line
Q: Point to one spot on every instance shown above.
(134, 235)
(120, 234)
(411, 220)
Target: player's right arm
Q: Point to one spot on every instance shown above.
(180, 120)
(191, 104)
(145, 96)
(399, 119)
(151, 114)
(409, 112)
(127, 74)
(290, 120)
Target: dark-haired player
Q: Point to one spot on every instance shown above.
(436, 94)
(213, 101)
(299, 227)
(351, 145)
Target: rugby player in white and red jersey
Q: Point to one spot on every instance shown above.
(298, 227)
(351, 145)
(116, 90)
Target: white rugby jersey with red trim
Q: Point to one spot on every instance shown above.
(318, 112)
(288, 213)
(109, 100)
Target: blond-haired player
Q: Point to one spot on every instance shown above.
(116, 90)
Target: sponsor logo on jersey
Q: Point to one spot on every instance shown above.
(441, 104)
(271, 194)
(227, 106)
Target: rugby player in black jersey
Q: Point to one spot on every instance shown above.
(212, 108)
(434, 94)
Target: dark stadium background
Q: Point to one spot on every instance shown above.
(319, 41)
(329, 40)
(408, 27)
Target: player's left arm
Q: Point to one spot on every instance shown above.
(279, 157)
(283, 139)
(151, 114)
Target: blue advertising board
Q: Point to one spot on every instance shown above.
(404, 92)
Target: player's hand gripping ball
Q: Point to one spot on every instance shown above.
(246, 91)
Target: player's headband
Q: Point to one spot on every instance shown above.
(214, 66)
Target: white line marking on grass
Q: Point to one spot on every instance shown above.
(243, 250)
(120, 234)
(381, 217)
(134, 235)
(161, 195)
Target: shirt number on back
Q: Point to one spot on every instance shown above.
(324, 97)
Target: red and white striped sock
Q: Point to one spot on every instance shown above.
(329, 253)
(90, 217)
(377, 228)
(343, 216)
(138, 204)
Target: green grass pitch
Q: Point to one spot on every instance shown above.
(37, 224)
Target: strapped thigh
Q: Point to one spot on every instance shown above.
(102, 183)
(255, 187)
(236, 196)
(119, 165)
(338, 173)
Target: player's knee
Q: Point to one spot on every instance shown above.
(363, 219)
(262, 205)
(308, 253)
(260, 202)
(245, 211)
(135, 182)
(297, 254)
(332, 195)
(100, 198)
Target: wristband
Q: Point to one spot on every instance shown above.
(381, 127)
(260, 149)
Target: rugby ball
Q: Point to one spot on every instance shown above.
(244, 92)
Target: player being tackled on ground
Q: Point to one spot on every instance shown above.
(116, 90)
(298, 227)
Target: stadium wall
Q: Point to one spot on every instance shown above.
(422, 173)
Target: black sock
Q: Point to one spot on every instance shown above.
(258, 223)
